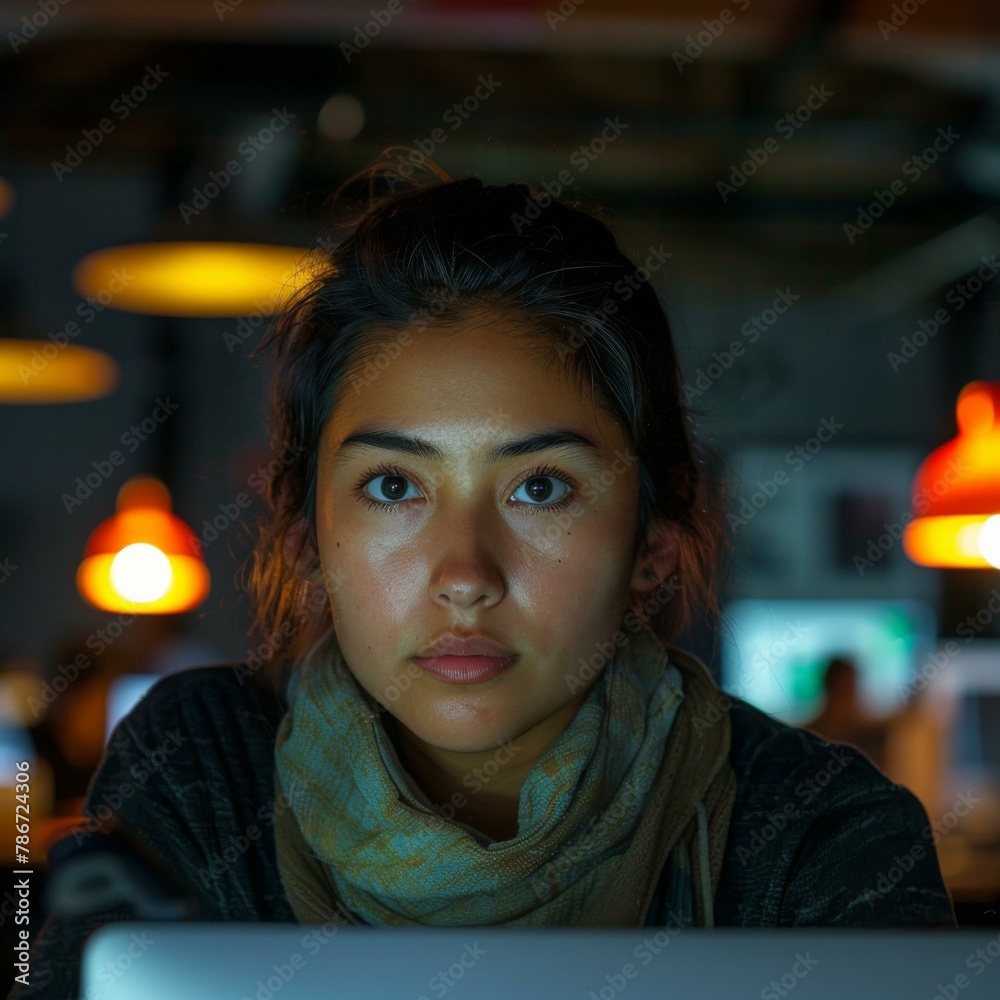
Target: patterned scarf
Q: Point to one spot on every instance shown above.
(632, 781)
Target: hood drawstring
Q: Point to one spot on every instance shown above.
(703, 864)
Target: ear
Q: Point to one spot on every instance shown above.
(657, 557)
(299, 552)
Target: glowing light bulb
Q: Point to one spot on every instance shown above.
(141, 573)
(989, 540)
(967, 539)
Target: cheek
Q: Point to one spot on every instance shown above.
(578, 589)
(380, 584)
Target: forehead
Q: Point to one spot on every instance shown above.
(485, 377)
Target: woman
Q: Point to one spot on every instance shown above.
(463, 705)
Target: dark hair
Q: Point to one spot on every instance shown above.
(428, 254)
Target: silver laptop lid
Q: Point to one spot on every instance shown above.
(217, 961)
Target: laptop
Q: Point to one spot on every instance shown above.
(218, 961)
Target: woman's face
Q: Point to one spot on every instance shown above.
(533, 550)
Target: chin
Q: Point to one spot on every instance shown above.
(471, 737)
(477, 742)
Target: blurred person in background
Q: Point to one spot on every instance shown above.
(844, 718)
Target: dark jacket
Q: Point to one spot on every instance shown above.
(818, 836)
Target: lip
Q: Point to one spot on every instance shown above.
(475, 644)
(465, 669)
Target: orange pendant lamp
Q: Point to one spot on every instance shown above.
(956, 491)
(144, 559)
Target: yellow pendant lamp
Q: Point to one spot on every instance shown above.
(188, 278)
(956, 491)
(144, 559)
(54, 371)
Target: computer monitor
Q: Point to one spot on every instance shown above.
(967, 687)
(775, 652)
(978, 734)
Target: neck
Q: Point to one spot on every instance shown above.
(480, 788)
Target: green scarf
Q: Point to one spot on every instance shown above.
(631, 781)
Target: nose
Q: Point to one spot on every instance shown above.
(464, 567)
(463, 587)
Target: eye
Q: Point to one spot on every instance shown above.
(392, 491)
(538, 491)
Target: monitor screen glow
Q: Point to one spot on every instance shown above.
(775, 652)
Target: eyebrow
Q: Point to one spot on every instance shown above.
(395, 441)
